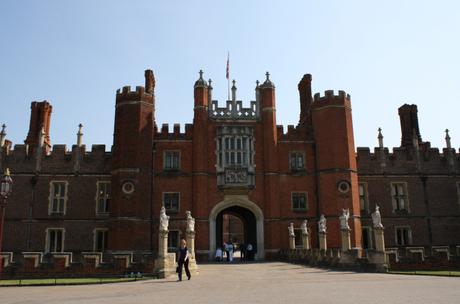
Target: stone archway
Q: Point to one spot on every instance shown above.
(243, 202)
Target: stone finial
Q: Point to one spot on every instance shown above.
(80, 135)
(257, 83)
(209, 83)
(448, 143)
(2, 136)
(233, 90)
(201, 82)
(268, 83)
(380, 137)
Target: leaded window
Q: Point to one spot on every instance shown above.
(171, 201)
(399, 196)
(103, 197)
(299, 201)
(58, 197)
(55, 240)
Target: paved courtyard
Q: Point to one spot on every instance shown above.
(253, 283)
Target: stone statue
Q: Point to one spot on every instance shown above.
(322, 224)
(304, 227)
(376, 218)
(291, 230)
(164, 220)
(190, 222)
(344, 219)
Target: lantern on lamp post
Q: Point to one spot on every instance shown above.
(6, 186)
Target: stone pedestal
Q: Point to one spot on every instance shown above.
(193, 267)
(292, 242)
(379, 239)
(346, 241)
(165, 263)
(322, 241)
(305, 241)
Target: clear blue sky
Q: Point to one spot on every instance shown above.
(77, 53)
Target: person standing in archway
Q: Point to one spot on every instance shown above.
(184, 258)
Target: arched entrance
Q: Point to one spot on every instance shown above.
(251, 216)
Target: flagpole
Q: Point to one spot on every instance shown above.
(228, 89)
(227, 74)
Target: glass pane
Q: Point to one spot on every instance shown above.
(300, 161)
(52, 240)
(402, 204)
(227, 143)
(361, 190)
(245, 158)
(238, 158)
(238, 143)
(58, 241)
(244, 143)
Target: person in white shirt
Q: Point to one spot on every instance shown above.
(219, 254)
(230, 252)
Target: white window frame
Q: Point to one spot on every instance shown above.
(48, 240)
(178, 201)
(95, 232)
(222, 151)
(292, 201)
(406, 197)
(51, 197)
(108, 196)
(165, 152)
(409, 235)
(296, 168)
(365, 195)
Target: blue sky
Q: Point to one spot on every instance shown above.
(77, 53)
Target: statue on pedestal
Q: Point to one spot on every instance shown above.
(190, 222)
(164, 220)
(322, 224)
(344, 219)
(377, 218)
(291, 230)
(304, 227)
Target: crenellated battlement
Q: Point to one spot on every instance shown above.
(126, 93)
(234, 110)
(293, 133)
(407, 160)
(164, 133)
(58, 159)
(329, 96)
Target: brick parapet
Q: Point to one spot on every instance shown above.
(164, 133)
(403, 160)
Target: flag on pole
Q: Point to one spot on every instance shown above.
(227, 75)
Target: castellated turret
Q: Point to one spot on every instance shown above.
(132, 164)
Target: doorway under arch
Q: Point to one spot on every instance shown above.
(251, 216)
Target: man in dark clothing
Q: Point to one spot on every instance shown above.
(183, 260)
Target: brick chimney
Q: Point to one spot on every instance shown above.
(40, 117)
(409, 125)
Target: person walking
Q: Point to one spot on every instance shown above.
(230, 252)
(184, 258)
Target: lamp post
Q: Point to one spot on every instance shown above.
(6, 186)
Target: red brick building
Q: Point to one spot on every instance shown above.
(231, 160)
